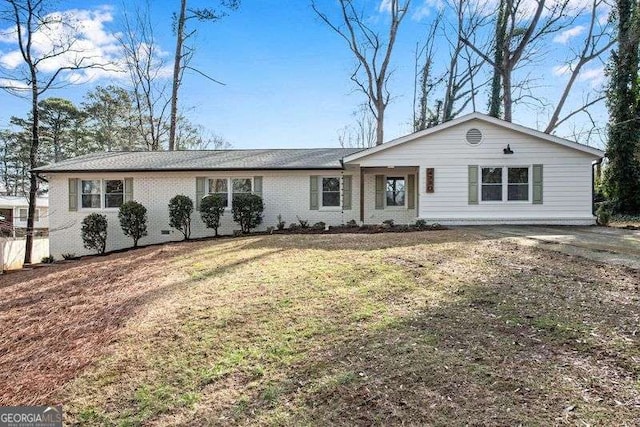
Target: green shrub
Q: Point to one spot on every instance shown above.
(247, 211)
(133, 220)
(281, 224)
(303, 222)
(319, 225)
(69, 255)
(421, 224)
(94, 232)
(603, 214)
(389, 223)
(294, 226)
(352, 223)
(47, 259)
(211, 210)
(180, 210)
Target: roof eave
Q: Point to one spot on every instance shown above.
(39, 170)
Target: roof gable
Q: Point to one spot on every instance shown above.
(475, 116)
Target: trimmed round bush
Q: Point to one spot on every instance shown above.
(133, 220)
(94, 232)
(180, 210)
(211, 210)
(247, 211)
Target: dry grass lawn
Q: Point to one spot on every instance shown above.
(440, 328)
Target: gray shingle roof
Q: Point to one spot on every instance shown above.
(310, 158)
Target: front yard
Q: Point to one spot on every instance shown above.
(440, 327)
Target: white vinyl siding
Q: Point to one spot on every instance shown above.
(566, 179)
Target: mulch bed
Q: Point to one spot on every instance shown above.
(364, 229)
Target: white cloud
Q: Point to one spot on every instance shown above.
(15, 85)
(566, 35)
(85, 36)
(561, 70)
(594, 76)
(424, 10)
(385, 6)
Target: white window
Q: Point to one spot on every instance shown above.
(241, 185)
(330, 192)
(98, 194)
(491, 184)
(515, 190)
(91, 194)
(396, 190)
(23, 214)
(113, 193)
(221, 187)
(518, 184)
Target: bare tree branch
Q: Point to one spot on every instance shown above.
(373, 55)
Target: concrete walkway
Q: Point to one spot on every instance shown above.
(609, 245)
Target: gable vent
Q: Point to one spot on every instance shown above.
(474, 136)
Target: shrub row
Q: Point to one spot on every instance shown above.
(246, 209)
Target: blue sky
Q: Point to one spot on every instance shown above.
(287, 75)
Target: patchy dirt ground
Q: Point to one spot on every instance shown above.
(441, 327)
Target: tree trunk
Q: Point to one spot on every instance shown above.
(380, 125)
(501, 29)
(556, 113)
(506, 96)
(177, 66)
(33, 157)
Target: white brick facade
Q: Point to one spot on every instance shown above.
(284, 193)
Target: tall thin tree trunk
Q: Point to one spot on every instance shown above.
(380, 126)
(33, 156)
(177, 65)
(496, 81)
(556, 113)
(506, 96)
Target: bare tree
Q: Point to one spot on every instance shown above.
(29, 18)
(524, 31)
(184, 52)
(461, 87)
(372, 52)
(149, 80)
(361, 133)
(456, 87)
(598, 40)
(190, 136)
(425, 83)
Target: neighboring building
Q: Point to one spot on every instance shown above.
(472, 170)
(13, 215)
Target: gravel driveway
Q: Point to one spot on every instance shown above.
(604, 244)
